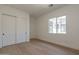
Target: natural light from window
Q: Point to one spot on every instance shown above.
(57, 25)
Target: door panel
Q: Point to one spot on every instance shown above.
(8, 24)
(0, 32)
(21, 30)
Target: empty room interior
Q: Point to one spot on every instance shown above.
(39, 29)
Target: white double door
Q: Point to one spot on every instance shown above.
(12, 30)
(7, 30)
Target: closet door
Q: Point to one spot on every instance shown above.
(8, 29)
(21, 30)
(0, 32)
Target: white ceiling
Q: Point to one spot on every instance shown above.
(36, 10)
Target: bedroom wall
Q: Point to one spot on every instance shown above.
(71, 39)
(32, 27)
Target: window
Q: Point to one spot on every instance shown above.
(57, 25)
(52, 25)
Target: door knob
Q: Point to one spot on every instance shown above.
(3, 34)
(25, 32)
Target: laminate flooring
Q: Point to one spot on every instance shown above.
(36, 47)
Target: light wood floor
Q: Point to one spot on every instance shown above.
(35, 47)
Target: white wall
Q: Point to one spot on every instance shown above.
(32, 27)
(71, 39)
(19, 14)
